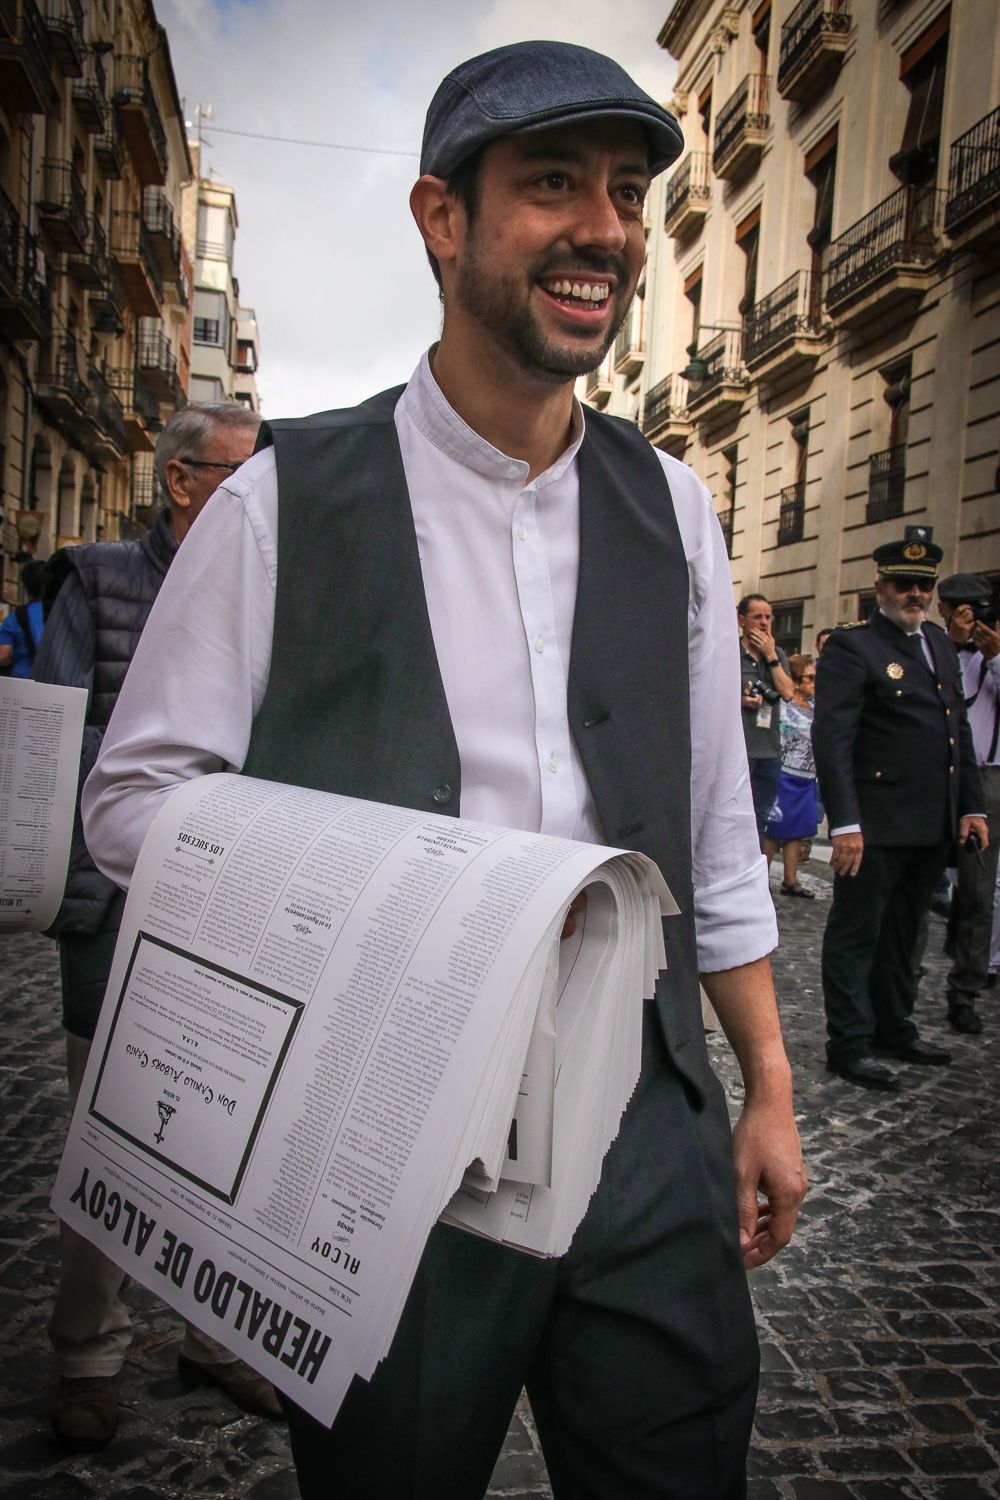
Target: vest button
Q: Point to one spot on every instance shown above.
(442, 793)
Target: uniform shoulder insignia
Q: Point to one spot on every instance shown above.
(852, 625)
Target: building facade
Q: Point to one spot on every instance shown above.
(95, 283)
(225, 341)
(818, 332)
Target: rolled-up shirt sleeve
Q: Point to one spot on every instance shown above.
(735, 921)
(199, 672)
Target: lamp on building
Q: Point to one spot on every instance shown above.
(696, 371)
(28, 524)
(107, 322)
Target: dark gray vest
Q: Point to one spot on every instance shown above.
(355, 702)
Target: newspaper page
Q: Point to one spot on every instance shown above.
(41, 730)
(314, 1007)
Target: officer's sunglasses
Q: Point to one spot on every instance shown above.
(211, 463)
(904, 582)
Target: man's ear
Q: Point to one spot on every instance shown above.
(436, 212)
(176, 478)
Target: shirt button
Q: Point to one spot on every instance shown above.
(521, 533)
(951, 742)
(947, 713)
(513, 471)
(539, 644)
(442, 793)
(553, 763)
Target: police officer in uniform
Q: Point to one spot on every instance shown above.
(898, 777)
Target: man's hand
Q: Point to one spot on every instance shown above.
(961, 624)
(845, 857)
(978, 826)
(751, 701)
(985, 639)
(763, 641)
(576, 906)
(770, 1179)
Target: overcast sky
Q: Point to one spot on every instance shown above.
(327, 252)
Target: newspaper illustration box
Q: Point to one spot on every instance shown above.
(193, 1048)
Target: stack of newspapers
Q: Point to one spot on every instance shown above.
(332, 1023)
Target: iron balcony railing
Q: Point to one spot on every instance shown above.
(900, 231)
(664, 400)
(688, 183)
(144, 488)
(64, 24)
(886, 483)
(63, 202)
(90, 92)
(60, 375)
(10, 239)
(154, 351)
(722, 357)
(136, 400)
(625, 342)
(107, 410)
(31, 38)
(132, 84)
(110, 152)
(803, 30)
(792, 514)
(791, 308)
(973, 169)
(746, 109)
(35, 276)
(159, 216)
(130, 238)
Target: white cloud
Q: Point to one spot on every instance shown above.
(327, 252)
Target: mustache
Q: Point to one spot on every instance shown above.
(580, 262)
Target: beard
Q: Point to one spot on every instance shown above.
(893, 610)
(502, 306)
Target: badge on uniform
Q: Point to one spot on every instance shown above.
(894, 670)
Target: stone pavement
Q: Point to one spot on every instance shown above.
(879, 1325)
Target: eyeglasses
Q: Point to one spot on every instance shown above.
(211, 463)
(904, 582)
(808, 677)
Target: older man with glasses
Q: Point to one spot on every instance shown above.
(105, 593)
(898, 776)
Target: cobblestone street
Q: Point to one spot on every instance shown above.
(879, 1325)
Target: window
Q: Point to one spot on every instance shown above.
(922, 70)
(897, 398)
(692, 291)
(866, 603)
(727, 516)
(705, 111)
(205, 388)
(748, 240)
(786, 627)
(211, 319)
(215, 232)
(792, 513)
(760, 26)
(821, 171)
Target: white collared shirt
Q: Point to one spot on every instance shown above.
(499, 558)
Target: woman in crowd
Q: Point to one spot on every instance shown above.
(793, 817)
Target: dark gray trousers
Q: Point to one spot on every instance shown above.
(637, 1348)
(977, 881)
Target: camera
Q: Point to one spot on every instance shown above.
(984, 614)
(763, 690)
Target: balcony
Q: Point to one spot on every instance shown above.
(133, 250)
(110, 153)
(792, 514)
(108, 300)
(139, 115)
(721, 384)
(689, 194)
(972, 212)
(156, 364)
(886, 484)
(782, 336)
(143, 488)
(25, 77)
(628, 356)
(140, 409)
(64, 26)
(24, 293)
(61, 390)
(90, 96)
(164, 234)
(62, 206)
(105, 441)
(87, 265)
(881, 266)
(598, 382)
(813, 42)
(742, 128)
(665, 419)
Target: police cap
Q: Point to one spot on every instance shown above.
(910, 557)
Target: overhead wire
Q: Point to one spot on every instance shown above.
(289, 140)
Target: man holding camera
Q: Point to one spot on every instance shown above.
(965, 603)
(766, 681)
(898, 776)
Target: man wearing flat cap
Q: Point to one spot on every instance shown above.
(898, 777)
(965, 601)
(526, 619)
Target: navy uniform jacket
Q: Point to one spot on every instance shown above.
(891, 740)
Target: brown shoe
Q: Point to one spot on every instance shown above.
(84, 1412)
(244, 1386)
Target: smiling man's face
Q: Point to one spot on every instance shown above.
(550, 262)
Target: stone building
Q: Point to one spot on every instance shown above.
(95, 283)
(819, 328)
(226, 344)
